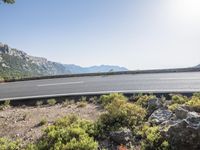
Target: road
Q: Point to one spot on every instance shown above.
(129, 83)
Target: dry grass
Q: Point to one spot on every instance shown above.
(24, 123)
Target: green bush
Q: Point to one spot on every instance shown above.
(107, 99)
(42, 122)
(6, 144)
(68, 102)
(69, 133)
(196, 94)
(5, 105)
(51, 102)
(39, 103)
(173, 107)
(81, 104)
(120, 114)
(142, 100)
(83, 98)
(179, 99)
(31, 146)
(153, 139)
(194, 103)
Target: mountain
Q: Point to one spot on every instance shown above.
(18, 64)
(102, 68)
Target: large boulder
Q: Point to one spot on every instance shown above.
(123, 136)
(185, 134)
(159, 116)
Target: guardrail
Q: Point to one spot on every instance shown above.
(192, 69)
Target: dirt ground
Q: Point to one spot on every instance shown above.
(22, 122)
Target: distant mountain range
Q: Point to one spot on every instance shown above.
(18, 64)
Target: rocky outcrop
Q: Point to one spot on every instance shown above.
(16, 62)
(123, 136)
(181, 113)
(153, 104)
(160, 115)
(184, 134)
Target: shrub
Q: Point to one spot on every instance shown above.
(107, 99)
(51, 102)
(6, 144)
(194, 103)
(66, 103)
(31, 146)
(5, 105)
(120, 114)
(42, 122)
(196, 95)
(179, 99)
(173, 107)
(153, 139)
(82, 104)
(39, 103)
(142, 100)
(69, 133)
(83, 98)
(93, 100)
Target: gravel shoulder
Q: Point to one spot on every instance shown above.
(23, 122)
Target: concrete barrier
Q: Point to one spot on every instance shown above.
(192, 69)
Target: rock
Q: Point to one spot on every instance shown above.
(189, 108)
(153, 104)
(167, 103)
(160, 116)
(123, 136)
(181, 113)
(185, 134)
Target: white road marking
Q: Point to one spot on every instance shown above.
(103, 92)
(55, 84)
(181, 78)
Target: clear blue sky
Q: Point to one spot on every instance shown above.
(131, 33)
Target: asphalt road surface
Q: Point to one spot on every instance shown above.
(129, 83)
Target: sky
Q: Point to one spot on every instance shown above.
(131, 33)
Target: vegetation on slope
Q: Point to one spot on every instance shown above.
(120, 116)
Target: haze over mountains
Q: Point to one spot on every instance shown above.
(16, 64)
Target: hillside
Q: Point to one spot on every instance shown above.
(18, 64)
(108, 122)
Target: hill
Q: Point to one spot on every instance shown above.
(18, 64)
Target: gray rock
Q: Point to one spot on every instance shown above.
(153, 104)
(160, 115)
(181, 113)
(189, 108)
(185, 134)
(123, 136)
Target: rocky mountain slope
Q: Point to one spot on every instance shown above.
(17, 64)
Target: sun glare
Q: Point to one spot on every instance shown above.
(188, 9)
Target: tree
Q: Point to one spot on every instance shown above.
(8, 1)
